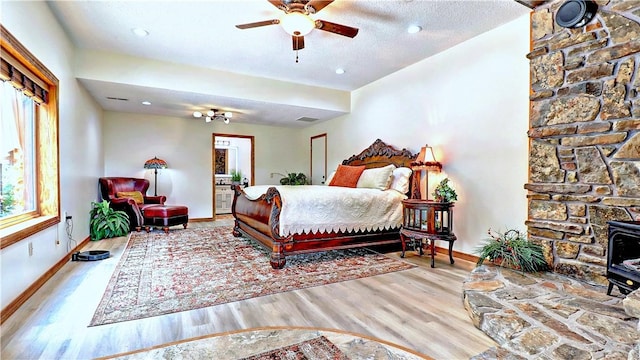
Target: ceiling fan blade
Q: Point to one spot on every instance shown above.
(298, 42)
(259, 23)
(336, 28)
(318, 4)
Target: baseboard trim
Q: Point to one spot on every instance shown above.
(200, 220)
(25, 295)
(457, 254)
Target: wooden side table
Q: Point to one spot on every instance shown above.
(431, 220)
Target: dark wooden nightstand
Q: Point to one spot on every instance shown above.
(430, 220)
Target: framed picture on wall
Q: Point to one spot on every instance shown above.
(222, 156)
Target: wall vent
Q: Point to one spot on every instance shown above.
(117, 98)
(306, 119)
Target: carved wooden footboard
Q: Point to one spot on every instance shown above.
(259, 219)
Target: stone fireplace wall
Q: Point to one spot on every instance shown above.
(584, 136)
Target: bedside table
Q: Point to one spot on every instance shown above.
(425, 219)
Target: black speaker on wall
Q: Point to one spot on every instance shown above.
(576, 13)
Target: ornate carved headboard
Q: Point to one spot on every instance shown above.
(380, 154)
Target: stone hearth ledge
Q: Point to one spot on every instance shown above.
(550, 316)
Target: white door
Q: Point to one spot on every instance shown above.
(318, 159)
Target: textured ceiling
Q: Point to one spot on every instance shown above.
(202, 34)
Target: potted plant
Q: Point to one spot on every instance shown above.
(294, 179)
(236, 177)
(106, 222)
(512, 249)
(444, 192)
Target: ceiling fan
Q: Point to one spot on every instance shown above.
(297, 22)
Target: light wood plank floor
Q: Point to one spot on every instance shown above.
(420, 309)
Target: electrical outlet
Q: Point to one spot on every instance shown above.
(30, 249)
(67, 216)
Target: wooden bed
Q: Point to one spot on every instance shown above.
(259, 219)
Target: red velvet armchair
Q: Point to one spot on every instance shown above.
(111, 186)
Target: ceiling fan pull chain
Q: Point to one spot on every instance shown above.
(296, 56)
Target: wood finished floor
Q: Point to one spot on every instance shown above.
(419, 308)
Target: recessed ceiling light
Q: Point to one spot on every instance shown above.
(140, 32)
(414, 29)
(340, 71)
(146, 103)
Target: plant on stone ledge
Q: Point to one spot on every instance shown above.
(512, 249)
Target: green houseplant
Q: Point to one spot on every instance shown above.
(444, 192)
(512, 249)
(294, 179)
(106, 222)
(236, 176)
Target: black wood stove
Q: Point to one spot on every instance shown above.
(623, 256)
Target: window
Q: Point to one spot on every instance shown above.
(17, 150)
(29, 176)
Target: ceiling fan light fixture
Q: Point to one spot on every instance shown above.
(228, 115)
(226, 120)
(211, 113)
(207, 119)
(340, 71)
(297, 24)
(197, 114)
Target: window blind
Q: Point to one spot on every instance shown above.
(22, 78)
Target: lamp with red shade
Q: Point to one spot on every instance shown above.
(155, 164)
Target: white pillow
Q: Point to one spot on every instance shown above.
(376, 178)
(400, 179)
(328, 181)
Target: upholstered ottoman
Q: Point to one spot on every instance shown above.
(165, 216)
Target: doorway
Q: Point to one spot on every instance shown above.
(230, 154)
(318, 171)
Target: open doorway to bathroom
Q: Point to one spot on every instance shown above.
(230, 154)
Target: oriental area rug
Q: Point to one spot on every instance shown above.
(189, 269)
(277, 343)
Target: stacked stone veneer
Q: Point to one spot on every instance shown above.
(584, 137)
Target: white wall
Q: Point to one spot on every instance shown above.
(186, 145)
(80, 138)
(471, 104)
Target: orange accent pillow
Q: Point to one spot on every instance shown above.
(135, 195)
(347, 176)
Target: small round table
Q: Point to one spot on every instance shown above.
(425, 219)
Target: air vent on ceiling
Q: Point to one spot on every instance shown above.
(306, 119)
(117, 98)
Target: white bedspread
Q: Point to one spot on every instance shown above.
(320, 208)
